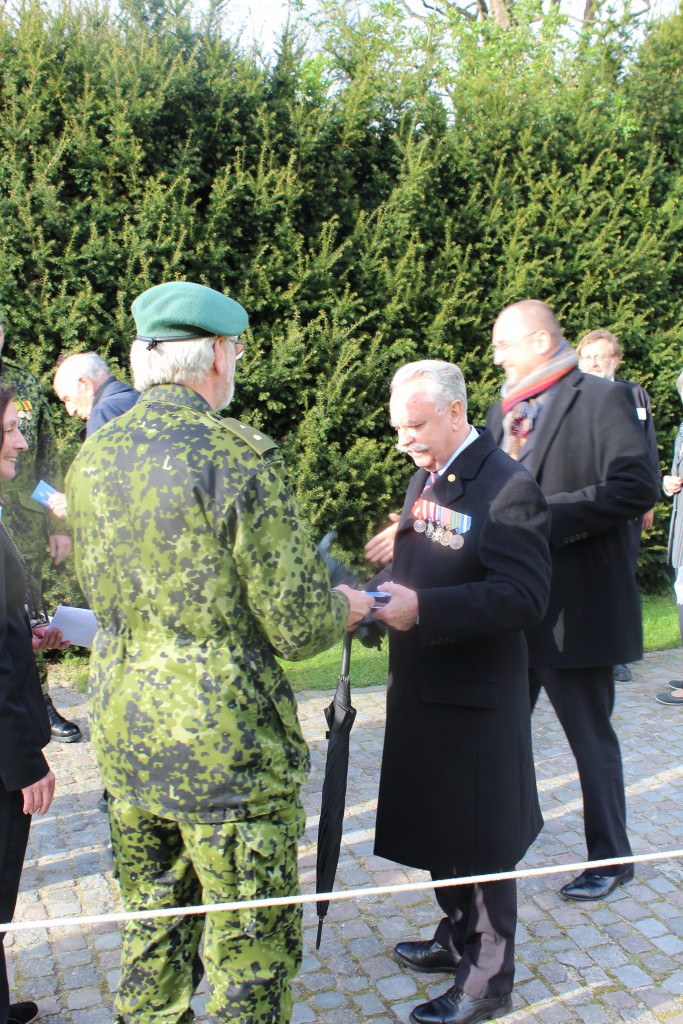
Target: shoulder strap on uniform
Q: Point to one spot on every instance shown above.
(258, 442)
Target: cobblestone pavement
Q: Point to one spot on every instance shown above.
(616, 960)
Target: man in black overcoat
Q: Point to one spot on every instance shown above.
(457, 791)
(577, 435)
(601, 354)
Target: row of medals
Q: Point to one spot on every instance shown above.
(439, 534)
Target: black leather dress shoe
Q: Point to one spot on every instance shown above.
(61, 729)
(621, 674)
(456, 1007)
(22, 1013)
(595, 887)
(429, 957)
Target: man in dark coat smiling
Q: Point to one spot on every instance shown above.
(470, 573)
(579, 438)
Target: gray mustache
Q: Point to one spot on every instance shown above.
(407, 449)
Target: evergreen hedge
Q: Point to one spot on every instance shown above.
(375, 198)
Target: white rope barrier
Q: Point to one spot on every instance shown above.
(345, 894)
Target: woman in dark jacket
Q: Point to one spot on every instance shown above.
(26, 782)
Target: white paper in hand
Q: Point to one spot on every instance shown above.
(77, 625)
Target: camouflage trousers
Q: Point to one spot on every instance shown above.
(251, 956)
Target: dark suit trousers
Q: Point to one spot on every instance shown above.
(583, 700)
(14, 829)
(480, 926)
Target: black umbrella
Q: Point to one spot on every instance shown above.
(340, 715)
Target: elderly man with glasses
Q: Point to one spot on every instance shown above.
(601, 354)
(191, 553)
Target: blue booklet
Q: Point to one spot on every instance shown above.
(43, 492)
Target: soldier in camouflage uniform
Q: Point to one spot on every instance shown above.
(191, 553)
(36, 532)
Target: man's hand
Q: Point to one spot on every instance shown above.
(60, 546)
(672, 484)
(380, 548)
(44, 638)
(402, 611)
(57, 503)
(360, 604)
(648, 519)
(38, 797)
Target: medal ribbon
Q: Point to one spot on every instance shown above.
(430, 512)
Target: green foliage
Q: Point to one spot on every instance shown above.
(371, 200)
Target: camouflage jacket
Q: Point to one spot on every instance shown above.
(189, 550)
(29, 522)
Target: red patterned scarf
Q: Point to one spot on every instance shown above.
(520, 404)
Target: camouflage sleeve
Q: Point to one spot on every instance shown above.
(285, 579)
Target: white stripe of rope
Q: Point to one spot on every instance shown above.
(345, 894)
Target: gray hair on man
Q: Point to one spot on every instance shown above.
(172, 362)
(679, 383)
(601, 335)
(82, 364)
(444, 381)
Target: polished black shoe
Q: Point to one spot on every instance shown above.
(456, 1007)
(60, 727)
(22, 1013)
(621, 674)
(428, 956)
(103, 802)
(589, 886)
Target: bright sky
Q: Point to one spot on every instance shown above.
(262, 19)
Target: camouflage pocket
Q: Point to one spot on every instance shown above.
(266, 865)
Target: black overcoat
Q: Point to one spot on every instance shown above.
(591, 462)
(457, 790)
(24, 726)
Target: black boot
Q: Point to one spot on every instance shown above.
(61, 729)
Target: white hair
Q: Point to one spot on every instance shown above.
(83, 364)
(444, 381)
(679, 382)
(172, 362)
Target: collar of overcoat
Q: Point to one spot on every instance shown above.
(449, 487)
(565, 394)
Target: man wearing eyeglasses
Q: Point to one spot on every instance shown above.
(578, 437)
(601, 354)
(192, 556)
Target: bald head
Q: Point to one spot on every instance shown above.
(76, 381)
(525, 335)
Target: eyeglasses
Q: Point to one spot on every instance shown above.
(597, 359)
(239, 349)
(511, 341)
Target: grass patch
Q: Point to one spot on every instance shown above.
(368, 666)
(660, 622)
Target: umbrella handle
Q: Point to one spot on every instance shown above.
(346, 654)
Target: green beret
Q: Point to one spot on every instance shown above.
(180, 310)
